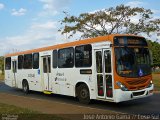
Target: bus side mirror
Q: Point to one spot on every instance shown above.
(111, 45)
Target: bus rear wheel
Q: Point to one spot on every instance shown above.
(25, 87)
(83, 94)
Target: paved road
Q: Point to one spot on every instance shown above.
(150, 105)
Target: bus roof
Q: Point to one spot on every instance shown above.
(70, 44)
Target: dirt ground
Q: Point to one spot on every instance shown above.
(49, 107)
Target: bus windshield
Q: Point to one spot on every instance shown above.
(132, 62)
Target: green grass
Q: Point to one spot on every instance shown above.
(1, 77)
(10, 109)
(24, 114)
(156, 81)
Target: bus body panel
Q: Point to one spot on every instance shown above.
(8, 79)
(129, 95)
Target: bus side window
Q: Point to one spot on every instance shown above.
(20, 61)
(8, 63)
(83, 56)
(35, 60)
(55, 58)
(107, 61)
(27, 61)
(66, 58)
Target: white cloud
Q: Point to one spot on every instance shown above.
(135, 3)
(48, 25)
(43, 31)
(54, 4)
(51, 7)
(1, 6)
(155, 11)
(38, 35)
(19, 12)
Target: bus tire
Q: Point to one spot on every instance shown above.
(25, 87)
(83, 94)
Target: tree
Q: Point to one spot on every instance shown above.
(120, 19)
(155, 48)
(2, 64)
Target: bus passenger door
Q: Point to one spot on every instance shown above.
(14, 70)
(46, 61)
(104, 74)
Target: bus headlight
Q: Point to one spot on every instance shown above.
(150, 84)
(123, 87)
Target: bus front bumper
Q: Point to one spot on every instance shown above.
(131, 95)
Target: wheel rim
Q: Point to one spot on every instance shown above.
(84, 93)
(25, 87)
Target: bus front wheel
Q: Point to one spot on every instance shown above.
(83, 94)
(25, 87)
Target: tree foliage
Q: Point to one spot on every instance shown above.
(2, 64)
(121, 19)
(155, 48)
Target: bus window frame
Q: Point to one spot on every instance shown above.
(53, 59)
(90, 57)
(21, 61)
(24, 62)
(73, 59)
(6, 65)
(33, 62)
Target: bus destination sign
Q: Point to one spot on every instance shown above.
(131, 41)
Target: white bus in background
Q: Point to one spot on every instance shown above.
(110, 68)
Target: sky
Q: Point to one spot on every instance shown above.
(29, 24)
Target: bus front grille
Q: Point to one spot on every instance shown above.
(137, 88)
(137, 82)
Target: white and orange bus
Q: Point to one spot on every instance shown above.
(110, 68)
